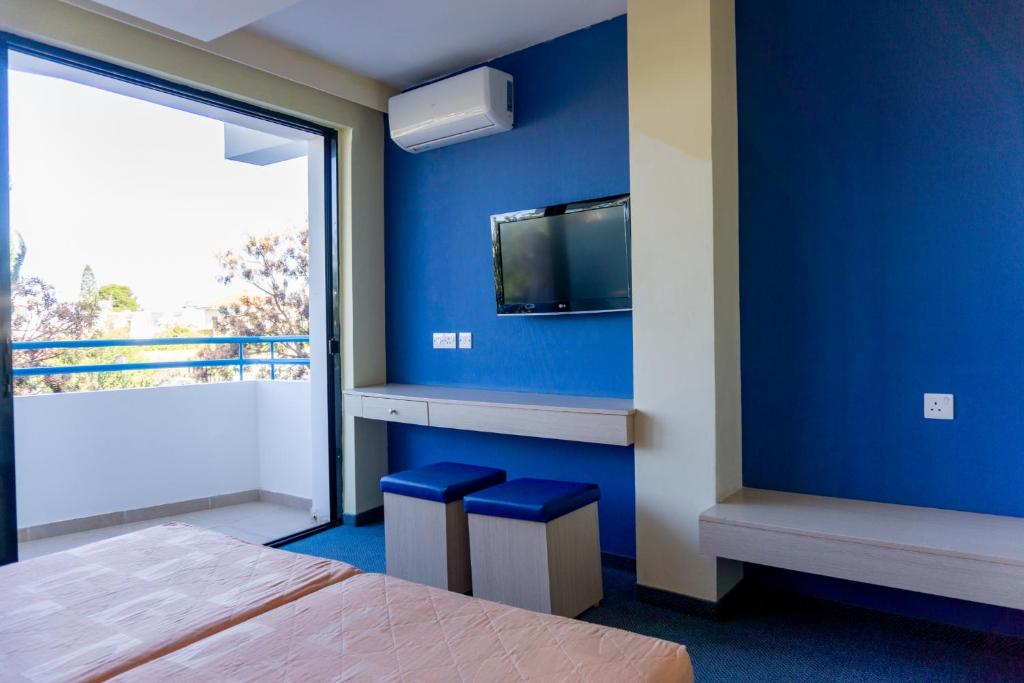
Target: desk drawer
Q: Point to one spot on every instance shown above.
(549, 424)
(395, 410)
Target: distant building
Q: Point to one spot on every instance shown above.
(148, 324)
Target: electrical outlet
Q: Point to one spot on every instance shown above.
(938, 406)
(465, 340)
(444, 340)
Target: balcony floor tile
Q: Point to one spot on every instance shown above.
(257, 522)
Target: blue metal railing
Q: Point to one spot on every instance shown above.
(241, 362)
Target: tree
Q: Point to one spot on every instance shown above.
(88, 293)
(38, 315)
(18, 260)
(277, 267)
(121, 297)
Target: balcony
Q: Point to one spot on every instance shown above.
(232, 455)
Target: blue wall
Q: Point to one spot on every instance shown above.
(882, 249)
(570, 143)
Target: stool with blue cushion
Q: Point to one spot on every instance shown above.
(426, 538)
(534, 544)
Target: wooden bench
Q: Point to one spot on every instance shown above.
(962, 555)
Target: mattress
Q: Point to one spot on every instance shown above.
(91, 612)
(378, 628)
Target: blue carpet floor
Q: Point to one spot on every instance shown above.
(771, 636)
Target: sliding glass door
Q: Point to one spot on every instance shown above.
(170, 344)
(8, 506)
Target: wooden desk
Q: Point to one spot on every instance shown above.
(549, 416)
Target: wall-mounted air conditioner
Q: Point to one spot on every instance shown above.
(470, 105)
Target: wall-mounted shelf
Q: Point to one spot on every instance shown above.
(964, 555)
(550, 416)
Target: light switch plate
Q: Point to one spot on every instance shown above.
(938, 406)
(444, 340)
(465, 340)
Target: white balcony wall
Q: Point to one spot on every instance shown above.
(284, 438)
(91, 453)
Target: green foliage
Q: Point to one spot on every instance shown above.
(121, 297)
(179, 331)
(39, 315)
(275, 266)
(93, 381)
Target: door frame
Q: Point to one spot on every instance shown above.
(10, 42)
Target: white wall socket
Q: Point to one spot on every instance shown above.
(938, 406)
(465, 340)
(444, 340)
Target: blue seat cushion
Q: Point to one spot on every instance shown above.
(442, 482)
(535, 500)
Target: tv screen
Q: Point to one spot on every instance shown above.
(570, 258)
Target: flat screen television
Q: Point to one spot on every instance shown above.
(568, 258)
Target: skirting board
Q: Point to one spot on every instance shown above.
(619, 562)
(686, 604)
(285, 499)
(71, 526)
(371, 516)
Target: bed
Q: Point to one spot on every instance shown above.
(89, 613)
(379, 628)
(184, 604)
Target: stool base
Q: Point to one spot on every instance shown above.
(427, 542)
(552, 567)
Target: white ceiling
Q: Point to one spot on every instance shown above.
(406, 42)
(395, 42)
(200, 19)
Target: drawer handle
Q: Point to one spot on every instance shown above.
(392, 411)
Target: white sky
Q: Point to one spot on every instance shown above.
(139, 191)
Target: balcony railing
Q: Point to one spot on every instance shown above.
(241, 361)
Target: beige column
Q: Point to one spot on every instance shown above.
(683, 174)
(365, 442)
